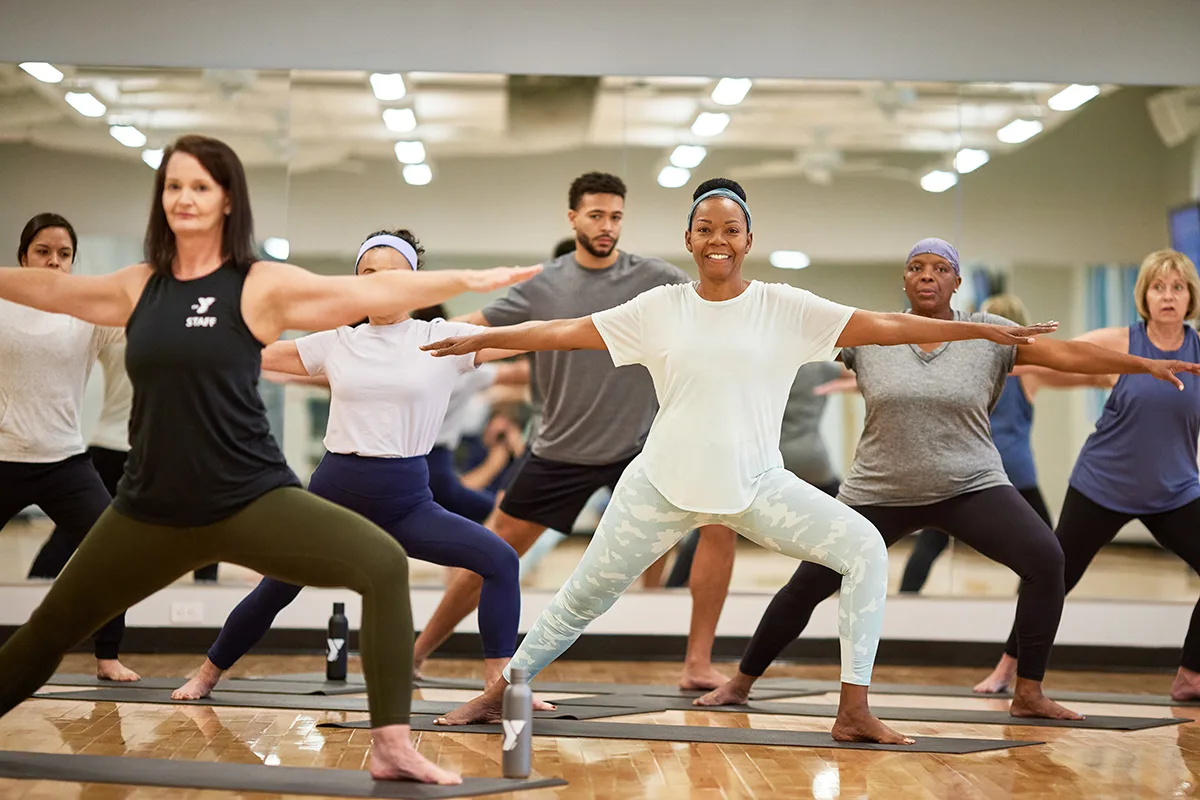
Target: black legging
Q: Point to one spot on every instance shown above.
(685, 551)
(1084, 527)
(996, 522)
(63, 541)
(929, 544)
(71, 494)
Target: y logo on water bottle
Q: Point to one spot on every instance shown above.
(333, 648)
(512, 731)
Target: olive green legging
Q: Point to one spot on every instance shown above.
(286, 534)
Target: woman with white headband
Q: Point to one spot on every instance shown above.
(387, 401)
(926, 459)
(723, 353)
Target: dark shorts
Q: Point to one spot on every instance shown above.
(552, 493)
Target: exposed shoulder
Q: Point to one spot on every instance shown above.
(1116, 339)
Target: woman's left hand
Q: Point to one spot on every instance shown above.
(1165, 370)
(455, 346)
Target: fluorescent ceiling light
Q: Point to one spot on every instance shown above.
(710, 123)
(85, 104)
(277, 248)
(46, 73)
(688, 156)
(968, 160)
(789, 259)
(153, 158)
(400, 120)
(418, 174)
(1019, 130)
(1073, 97)
(128, 135)
(731, 91)
(410, 152)
(673, 177)
(938, 181)
(388, 86)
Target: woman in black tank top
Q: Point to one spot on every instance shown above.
(205, 481)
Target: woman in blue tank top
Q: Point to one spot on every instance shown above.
(1140, 462)
(205, 480)
(1012, 423)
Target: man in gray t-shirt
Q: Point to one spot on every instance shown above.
(594, 420)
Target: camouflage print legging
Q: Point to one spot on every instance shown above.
(787, 515)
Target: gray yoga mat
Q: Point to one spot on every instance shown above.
(968, 716)
(322, 703)
(709, 735)
(923, 690)
(227, 685)
(637, 689)
(241, 777)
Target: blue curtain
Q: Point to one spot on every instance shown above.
(1109, 304)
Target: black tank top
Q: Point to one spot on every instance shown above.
(200, 445)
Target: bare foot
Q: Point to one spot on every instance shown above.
(1186, 686)
(201, 685)
(485, 708)
(1028, 701)
(703, 677)
(734, 693)
(109, 669)
(1001, 678)
(393, 758)
(863, 726)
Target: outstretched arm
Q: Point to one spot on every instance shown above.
(555, 334)
(873, 327)
(1087, 358)
(283, 356)
(99, 299)
(283, 297)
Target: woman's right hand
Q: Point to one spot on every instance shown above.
(489, 280)
(1013, 335)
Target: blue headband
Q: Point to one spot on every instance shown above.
(720, 193)
(936, 247)
(385, 240)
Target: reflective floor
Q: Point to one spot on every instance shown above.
(1158, 763)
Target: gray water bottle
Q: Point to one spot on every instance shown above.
(516, 717)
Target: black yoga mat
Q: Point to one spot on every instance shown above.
(968, 716)
(923, 690)
(709, 735)
(227, 685)
(241, 777)
(475, 684)
(319, 703)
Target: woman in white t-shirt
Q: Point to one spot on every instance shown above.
(723, 353)
(387, 402)
(45, 360)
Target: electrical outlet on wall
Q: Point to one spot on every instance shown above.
(187, 613)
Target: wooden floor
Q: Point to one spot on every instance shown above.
(1158, 763)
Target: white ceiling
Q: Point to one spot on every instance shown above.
(312, 120)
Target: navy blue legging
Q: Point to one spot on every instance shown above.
(449, 492)
(394, 494)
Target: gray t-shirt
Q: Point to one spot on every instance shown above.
(592, 412)
(927, 437)
(803, 449)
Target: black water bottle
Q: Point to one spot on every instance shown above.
(335, 644)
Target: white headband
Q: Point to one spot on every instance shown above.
(386, 240)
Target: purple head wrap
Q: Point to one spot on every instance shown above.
(936, 247)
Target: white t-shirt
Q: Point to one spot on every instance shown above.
(469, 384)
(722, 372)
(387, 397)
(112, 429)
(45, 361)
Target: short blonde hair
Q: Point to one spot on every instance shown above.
(1008, 306)
(1156, 265)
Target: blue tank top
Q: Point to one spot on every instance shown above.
(1012, 422)
(1141, 459)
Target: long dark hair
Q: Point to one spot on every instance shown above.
(38, 224)
(237, 234)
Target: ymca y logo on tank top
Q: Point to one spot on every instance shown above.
(201, 306)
